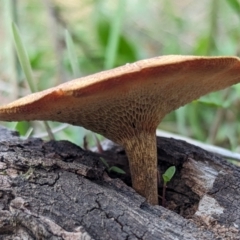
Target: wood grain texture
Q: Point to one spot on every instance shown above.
(41, 199)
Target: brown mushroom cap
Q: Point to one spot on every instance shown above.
(127, 103)
(121, 101)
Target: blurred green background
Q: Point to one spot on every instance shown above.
(106, 34)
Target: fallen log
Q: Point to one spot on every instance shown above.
(56, 190)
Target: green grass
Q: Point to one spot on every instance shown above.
(26, 66)
(72, 55)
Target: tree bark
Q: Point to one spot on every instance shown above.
(56, 190)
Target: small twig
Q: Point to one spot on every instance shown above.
(164, 195)
(49, 131)
(85, 143)
(54, 130)
(99, 146)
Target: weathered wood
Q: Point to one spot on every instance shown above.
(56, 190)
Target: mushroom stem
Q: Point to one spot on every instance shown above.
(142, 155)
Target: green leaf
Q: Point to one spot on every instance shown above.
(23, 58)
(167, 176)
(104, 162)
(210, 103)
(22, 127)
(116, 169)
(201, 46)
(72, 54)
(126, 51)
(235, 5)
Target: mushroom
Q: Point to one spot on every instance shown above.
(126, 104)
